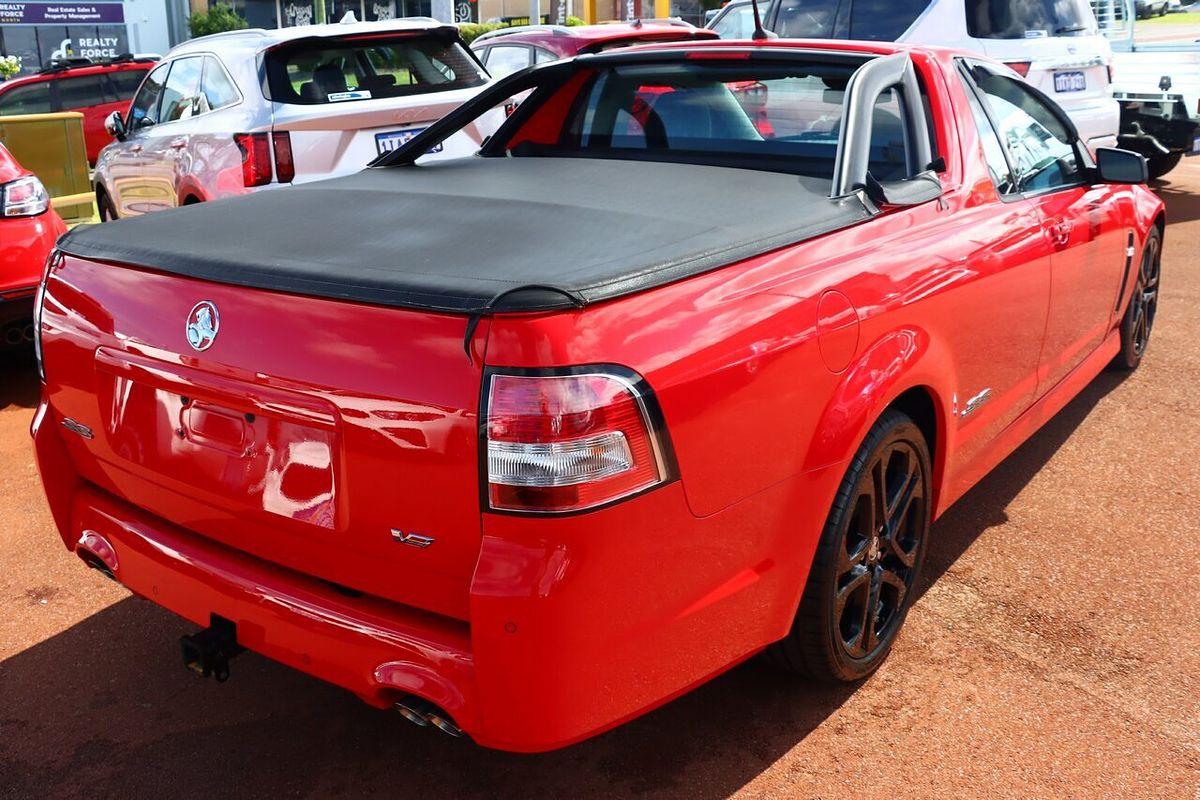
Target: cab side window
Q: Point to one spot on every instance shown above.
(993, 151)
(144, 111)
(505, 59)
(1040, 148)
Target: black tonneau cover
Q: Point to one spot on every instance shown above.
(468, 235)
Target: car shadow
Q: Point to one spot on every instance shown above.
(1181, 199)
(105, 708)
(18, 378)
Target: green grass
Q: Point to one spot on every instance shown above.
(1170, 19)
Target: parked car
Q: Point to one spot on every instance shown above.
(1057, 46)
(685, 393)
(230, 113)
(1145, 9)
(508, 50)
(735, 19)
(1157, 85)
(28, 230)
(93, 88)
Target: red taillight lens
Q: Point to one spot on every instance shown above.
(285, 168)
(24, 197)
(256, 158)
(560, 443)
(1019, 67)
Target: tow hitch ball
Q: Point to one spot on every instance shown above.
(208, 652)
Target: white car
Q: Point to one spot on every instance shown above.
(1055, 44)
(234, 112)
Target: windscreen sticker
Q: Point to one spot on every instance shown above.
(1039, 34)
(356, 94)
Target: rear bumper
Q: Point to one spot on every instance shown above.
(576, 625)
(1096, 121)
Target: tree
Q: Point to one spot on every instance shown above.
(217, 19)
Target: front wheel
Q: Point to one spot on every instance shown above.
(861, 582)
(1157, 166)
(1138, 321)
(104, 205)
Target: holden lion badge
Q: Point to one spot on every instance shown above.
(202, 325)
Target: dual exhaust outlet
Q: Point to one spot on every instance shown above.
(425, 714)
(15, 335)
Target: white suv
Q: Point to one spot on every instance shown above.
(1055, 44)
(234, 112)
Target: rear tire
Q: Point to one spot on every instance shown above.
(868, 559)
(105, 206)
(1157, 166)
(1138, 321)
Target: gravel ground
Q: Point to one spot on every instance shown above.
(1052, 652)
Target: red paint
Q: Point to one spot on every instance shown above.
(25, 243)
(535, 632)
(112, 99)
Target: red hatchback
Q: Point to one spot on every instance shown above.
(28, 230)
(528, 443)
(93, 89)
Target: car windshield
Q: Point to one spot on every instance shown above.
(781, 118)
(1028, 19)
(362, 68)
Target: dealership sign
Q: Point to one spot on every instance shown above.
(61, 13)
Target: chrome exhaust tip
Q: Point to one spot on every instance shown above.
(420, 711)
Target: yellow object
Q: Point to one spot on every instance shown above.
(51, 146)
(662, 9)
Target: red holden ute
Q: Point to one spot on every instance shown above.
(28, 230)
(528, 443)
(94, 89)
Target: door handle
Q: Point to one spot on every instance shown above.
(137, 148)
(178, 144)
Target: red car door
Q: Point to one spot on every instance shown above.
(1079, 221)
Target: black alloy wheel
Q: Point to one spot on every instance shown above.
(1138, 322)
(879, 550)
(860, 586)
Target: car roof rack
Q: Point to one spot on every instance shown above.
(77, 62)
(557, 30)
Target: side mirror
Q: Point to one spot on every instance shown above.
(1115, 165)
(115, 125)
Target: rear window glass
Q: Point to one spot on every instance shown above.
(337, 71)
(870, 20)
(784, 118)
(1028, 19)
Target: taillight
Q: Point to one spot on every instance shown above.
(1019, 67)
(256, 158)
(285, 168)
(24, 197)
(568, 442)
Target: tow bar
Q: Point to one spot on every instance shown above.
(209, 652)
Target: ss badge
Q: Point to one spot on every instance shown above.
(412, 539)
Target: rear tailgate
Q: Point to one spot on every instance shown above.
(307, 433)
(342, 139)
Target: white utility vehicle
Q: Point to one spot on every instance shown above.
(1055, 44)
(1158, 87)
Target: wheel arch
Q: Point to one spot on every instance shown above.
(908, 370)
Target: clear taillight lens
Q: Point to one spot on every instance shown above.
(568, 442)
(256, 158)
(24, 197)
